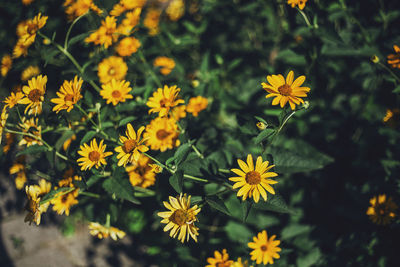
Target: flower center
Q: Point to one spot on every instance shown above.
(264, 248)
(94, 156)
(253, 177)
(111, 71)
(180, 217)
(129, 145)
(285, 90)
(223, 264)
(162, 134)
(35, 95)
(116, 94)
(32, 29)
(68, 98)
(64, 198)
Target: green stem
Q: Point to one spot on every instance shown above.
(224, 170)
(69, 31)
(305, 18)
(147, 192)
(159, 163)
(195, 178)
(149, 69)
(108, 218)
(84, 193)
(390, 71)
(87, 115)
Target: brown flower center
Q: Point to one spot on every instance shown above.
(180, 217)
(94, 156)
(68, 98)
(162, 134)
(264, 248)
(32, 29)
(253, 177)
(64, 198)
(35, 95)
(129, 145)
(111, 71)
(116, 94)
(285, 90)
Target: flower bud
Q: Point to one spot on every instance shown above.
(261, 125)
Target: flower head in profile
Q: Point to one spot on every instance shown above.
(162, 134)
(130, 21)
(116, 91)
(112, 68)
(104, 35)
(163, 100)
(287, 90)
(180, 218)
(394, 59)
(34, 95)
(62, 201)
(68, 95)
(101, 231)
(265, 249)
(382, 210)
(127, 46)
(219, 259)
(34, 194)
(166, 64)
(152, 20)
(21, 48)
(253, 181)
(32, 127)
(300, 3)
(29, 72)
(10, 137)
(196, 104)
(6, 63)
(92, 155)
(32, 26)
(132, 145)
(126, 5)
(12, 100)
(141, 172)
(76, 8)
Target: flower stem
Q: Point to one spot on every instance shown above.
(84, 193)
(143, 59)
(195, 178)
(390, 71)
(159, 163)
(70, 29)
(305, 18)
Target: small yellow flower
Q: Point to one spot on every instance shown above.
(125, 5)
(132, 145)
(164, 99)
(116, 91)
(32, 26)
(112, 68)
(167, 64)
(162, 134)
(13, 99)
(104, 34)
(3, 121)
(21, 48)
(382, 210)
(31, 127)
(34, 194)
(101, 231)
(68, 95)
(239, 263)
(300, 3)
(27, 2)
(6, 63)
(141, 172)
(219, 260)
(127, 46)
(64, 201)
(130, 21)
(196, 104)
(253, 181)
(34, 95)
(180, 218)
(175, 9)
(178, 112)
(19, 170)
(156, 168)
(261, 126)
(76, 8)
(29, 72)
(265, 249)
(9, 141)
(287, 90)
(394, 59)
(92, 155)
(152, 20)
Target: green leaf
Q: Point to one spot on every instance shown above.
(107, 124)
(52, 193)
(126, 120)
(290, 57)
(274, 203)
(121, 187)
(246, 208)
(263, 135)
(93, 179)
(217, 204)
(176, 181)
(396, 90)
(181, 153)
(32, 150)
(88, 136)
(78, 38)
(295, 230)
(261, 119)
(310, 259)
(238, 232)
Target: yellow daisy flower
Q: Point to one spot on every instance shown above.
(127, 46)
(19, 170)
(162, 134)
(239, 263)
(125, 5)
(68, 95)
(34, 94)
(141, 173)
(164, 99)
(3, 121)
(265, 249)
(394, 59)
(180, 218)
(34, 194)
(130, 21)
(31, 126)
(21, 48)
(112, 68)
(152, 20)
(101, 231)
(76, 8)
(167, 64)
(300, 3)
(286, 91)
(178, 112)
(382, 210)
(31, 28)
(6, 63)
(196, 104)
(131, 146)
(29, 72)
(92, 155)
(13, 99)
(63, 202)
(219, 260)
(116, 91)
(253, 181)
(175, 9)
(104, 34)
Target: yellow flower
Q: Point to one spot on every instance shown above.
(130, 21)
(180, 218)
(19, 170)
(382, 210)
(112, 68)
(127, 46)
(162, 134)
(3, 120)
(27, 2)
(253, 181)
(68, 95)
(101, 231)
(265, 249)
(32, 26)
(156, 168)
(131, 145)
(175, 9)
(164, 99)
(167, 64)
(6, 63)
(196, 104)
(30, 72)
(300, 3)
(394, 59)
(92, 155)
(116, 91)
(152, 20)
(31, 127)
(239, 263)
(219, 260)
(21, 28)
(125, 5)
(141, 172)
(21, 48)
(34, 94)
(9, 141)
(13, 99)
(104, 34)
(76, 8)
(178, 112)
(64, 201)
(34, 194)
(286, 91)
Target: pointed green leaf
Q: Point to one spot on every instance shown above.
(176, 181)
(88, 136)
(121, 187)
(264, 135)
(217, 204)
(274, 203)
(181, 153)
(32, 150)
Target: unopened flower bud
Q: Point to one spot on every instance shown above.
(261, 125)
(306, 104)
(195, 83)
(375, 59)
